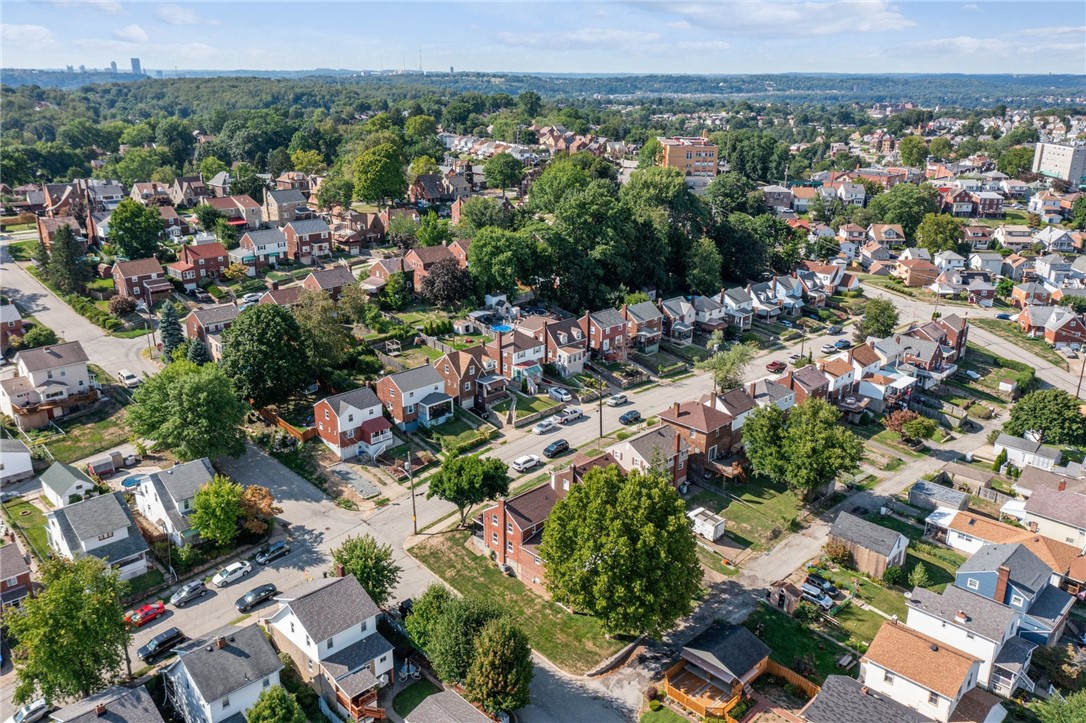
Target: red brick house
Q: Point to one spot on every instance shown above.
(383, 270)
(240, 211)
(11, 324)
(151, 193)
(956, 202)
(987, 204)
(287, 297)
(806, 383)
(422, 259)
(59, 197)
(331, 281)
(1060, 326)
(308, 239)
(48, 227)
(172, 224)
(470, 378)
(916, 272)
(660, 444)
(566, 344)
(705, 428)
(351, 424)
(141, 279)
(459, 248)
(607, 333)
(516, 356)
(1030, 293)
(645, 326)
(199, 262)
(15, 583)
(200, 323)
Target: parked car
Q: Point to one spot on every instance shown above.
(835, 329)
(161, 644)
(631, 417)
(1069, 353)
(232, 573)
(842, 344)
(1004, 317)
(569, 414)
(828, 348)
(254, 597)
(776, 366)
(251, 298)
(141, 616)
(272, 551)
(544, 426)
(188, 592)
(11, 495)
(203, 297)
(793, 358)
(556, 448)
(785, 323)
(820, 599)
(30, 713)
(972, 374)
(616, 400)
(128, 379)
(827, 587)
(559, 394)
(525, 463)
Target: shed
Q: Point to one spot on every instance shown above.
(929, 496)
(708, 525)
(784, 596)
(62, 484)
(873, 547)
(18, 463)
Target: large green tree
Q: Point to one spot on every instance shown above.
(503, 171)
(880, 319)
(1051, 413)
(913, 151)
(266, 355)
(729, 193)
(469, 480)
(371, 564)
(379, 174)
(560, 178)
(275, 705)
(135, 229)
(479, 212)
(805, 449)
(67, 269)
(501, 673)
(433, 231)
(452, 648)
(169, 326)
(325, 338)
(71, 637)
(905, 204)
(335, 191)
(216, 510)
(939, 232)
(1078, 213)
(191, 410)
(425, 612)
(636, 572)
(499, 259)
(1069, 709)
(703, 267)
(1016, 161)
(729, 366)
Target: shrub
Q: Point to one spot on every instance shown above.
(655, 705)
(651, 692)
(805, 613)
(216, 292)
(838, 553)
(35, 337)
(122, 305)
(893, 575)
(918, 576)
(1000, 460)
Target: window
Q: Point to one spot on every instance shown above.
(888, 677)
(493, 519)
(350, 417)
(969, 636)
(509, 528)
(363, 626)
(494, 537)
(972, 583)
(933, 699)
(467, 386)
(382, 659)
(509, 545)
(11, 582)
(226, 702)
(266, 682)
(327, 415)
(292, 626)
(106, 536)
(1017, 601)
(331, 643)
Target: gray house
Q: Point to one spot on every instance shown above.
(113, 705)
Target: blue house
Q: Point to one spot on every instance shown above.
(1012, 575)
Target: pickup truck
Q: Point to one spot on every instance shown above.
(569, 414)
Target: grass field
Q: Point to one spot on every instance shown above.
(664, 715)
(790, 641)
(889, 601)
(758, 512)
(1009, 331)
(575, 643)
(90, 434)
(456, 432)
(23, 250)
(526, 405)
(409, 698)
(31, 520)
(860, 625)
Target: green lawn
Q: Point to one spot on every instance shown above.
(23, 250)
(994, 369)
(1009, 331)
(456, 433)
(526, 405)
(860, 625)
(89, 434)
(889, 601)
(664, 715)
(913, 532)
(753, 510)
(575, 643)
(409, 698)
(942, 564)
(31, 520)
(715, 562)
(891, 439)
(790, 641)
(144, 582)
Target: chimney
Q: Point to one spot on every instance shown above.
(501, 355)
(712, 397)
(1062, 486)
(1001, 583)
(100, 710)
(961, 617)
(546, 342)
(864, 690)
(220, 643)
(501, 530)
(675, 409)
(341, 571)
(625, 313)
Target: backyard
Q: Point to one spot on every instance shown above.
(28, 518)
(791, 641)
(758, 512)
(575, 643)
(993, 370)
(409, 698)
(88, 434)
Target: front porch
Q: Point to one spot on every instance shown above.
(681, 333)
(434, 409)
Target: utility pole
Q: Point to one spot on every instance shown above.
(411, 485)
(601, 388)
(1081, 369)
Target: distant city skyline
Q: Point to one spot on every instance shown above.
(557, 36)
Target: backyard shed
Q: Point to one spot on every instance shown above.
(707, 524)
(929, 496)
(874, 547)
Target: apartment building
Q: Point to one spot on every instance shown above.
(691, 155)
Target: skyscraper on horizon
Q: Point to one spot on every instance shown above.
(113, 66)
(136, 70)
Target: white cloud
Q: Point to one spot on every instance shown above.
(132, 34)
(177, 15)
(1078, 30)
(25, 35)
(790, 19)
(580, 39)
(703, 46)
(103, 6)
(972, 7)
(1001, 47)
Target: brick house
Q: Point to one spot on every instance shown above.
(240, 211)
(415, 396)
(141, 279)
(645, 325)
(59, 198)
(15, 583)
(678, 320)
(566, 344)
(287, 297)
(978, 237)
(662, 443)
(151, 193)
(916, 272)
(422, 259)
(606, 332)
(1060, 326)
(351, 424)
(383, 270)
(281, 207)
(197, 262)
(1030, 293)
(189, 191)
(11, 324)
(459, 248)
(48, 227)
(706, 429)
(517, 356)
(331, 281)
(307, 239)
(293, 180)
(470, 378)
(201, 323)
(172, 224)
(956, 202)
(987, 204)
(807, 383)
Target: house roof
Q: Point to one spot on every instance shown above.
(976, 706)
(287, 296)
(9, 312)
(738, 295)
(941, 493)
(333, 278)
(606, 318)
(677, 307)
(350, 659)
(265, 236)
(1027, 445)
(1027, 571)
(983, 616)
(219, 314)
(1033, 478)
(62, 477)
(532, 507)
(768, 391)
(809, 377)
(696, 415)
(139, 267)
(446, 707)
(736, 401)
(864, 355)
(417, 378)
(327, 607)
(1066, 507)
(215, 672)
(13, 561)
(13, 446)
(205, 251)
(184, 480)
(1051, 605)
(429, 255)
(361, 398)
(309, 225)
(866, 534)
(923, 660)
(837, 367)
(122, 705)
(731, 648)
(661, 438)
(846, 700)
(291, 195)
(51, 357)
(644, 311)
(705, 303)
(97, 516)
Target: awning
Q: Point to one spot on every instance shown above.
(236, 221)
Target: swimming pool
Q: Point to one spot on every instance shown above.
(501, 327)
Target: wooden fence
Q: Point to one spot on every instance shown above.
(436, 343)
(302, 435)
(390, 361)
(987, 493)
(775, 668)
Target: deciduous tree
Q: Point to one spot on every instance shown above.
(729, 366)
(918, 576)
(469, 480)
(1051, 413)
(1016, 161)
(216, 509)
(421, 166)
(499, 676)
(479, 212)
(135, 229)
(395, 294)
(913, 151)
(335, 191)
(275, 705)
(452, 648)
(1068, 709)
(308, 162)
(905, 204)
(503, 171)
(371, 564)
(379, 174)
(121, 306)
(703, 267)
(211, 166)
(425, 612)
(920, 428)
(325, 339)
(447, 285)
(257, 508)
(433, 231)
(939, 232)
(266, 355)
(880, 319)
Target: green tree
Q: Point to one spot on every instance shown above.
(191, 410)
(325, 339)
(68, 269)
(395, 295)
(216, 510)
(1068, 709)
(175, 136)
(703, 267)
(169, 327)
(135, 229)
(378, 174)
(918, 576)
(419, 127)
(1078, 213)
(499, 259)
(562, 177)
(335, 191)
(371, 564)
(469, 480)
(41, 256)
(805, 449)
(164, 174)
(308, 162)
(265, 354)
(421, 166)
(636, 572)
(503, 171)
(480, 212)
(913, 151)
(447, 285)
(425, 612)
(275, 705)
(529, 104)
(729, 366)
(1052, 413)
(939, 232)
(920, 428)
(208, 216)
(502, 670)
(729, 193)
(72, 637)
(905, 204)
(880, 319)
(247, 183)
(38, 336)
(941, 148)
(453, 636)
(211, 166)
(1016, 161)
(650, 153)
(278, 162)
(1004, 287)
(433, 231)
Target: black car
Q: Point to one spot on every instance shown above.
(631, 417)
(254, 597)
(827, 587)
(556, 448)
(161, 644)
(274, 551)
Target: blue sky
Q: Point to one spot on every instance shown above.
(726, 36)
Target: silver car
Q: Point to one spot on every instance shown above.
(188, 592)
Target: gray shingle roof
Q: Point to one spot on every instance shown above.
(51, 357)
(607, 318)
(732, 648)
(1027, 445)
(266, 236)
(334, 277)
(705, 303)
(1014, 653)
(1066, 507)
(1027, 570)
(738, 295)
(446, 707)
(661, 437)
(123, 705)
(183, 480)
(644, 311)
(330, 606)
(215, 672)
(12, 561)
(361, 398)
(292, 195)
(1051, 605)
(868, 535)
(310, 225)
(99, 513)
(412, 379)
(984, 617)
(61, 477)
(219, 314)
(348, 660)
(843, 700)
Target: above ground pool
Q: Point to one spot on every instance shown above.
(501, 327)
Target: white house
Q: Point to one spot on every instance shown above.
(63, 484)
(1014, 236)
(736, 403)
(660, 444)
(351, 424)
(16, 462)
(915, 252)
(329, 629)
(738, 307)
(1054, 239)
(221, 675)
(708, 313)
(706, 524)
(1027, 453)
(790, 292)
(988, 261)
(949, 261)
(101, 527)
(49, 382)
(166, 498)
(1059, 515)
(767, 391)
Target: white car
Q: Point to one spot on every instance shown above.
(128, 379)
(232, 573)
(616, 400)
(544, 426)
(828, 349)
(525, 463)
(33, 711)
(251, 298)
(559, 394)
(972, 374)
(569, 414)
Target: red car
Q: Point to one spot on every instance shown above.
(776, 366)
(145, 614)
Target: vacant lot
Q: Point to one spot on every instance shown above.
(88, 434)
(758, 512)
(575, 643)
(1009, 331)
(457, 434)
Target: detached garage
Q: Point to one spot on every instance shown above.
(874, 547)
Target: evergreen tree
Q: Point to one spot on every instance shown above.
(198, 353)
(41, 256)
(170, 327)
(68, 269)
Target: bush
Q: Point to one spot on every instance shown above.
(655, 705)
(1000, 460)
(838, 553)
(893, 575)
(918, 576)
(35, 337)
(805, 613)
(216, 292)
(122, 305)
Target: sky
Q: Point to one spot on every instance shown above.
(557, 36)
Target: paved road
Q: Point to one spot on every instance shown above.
(108, 352)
